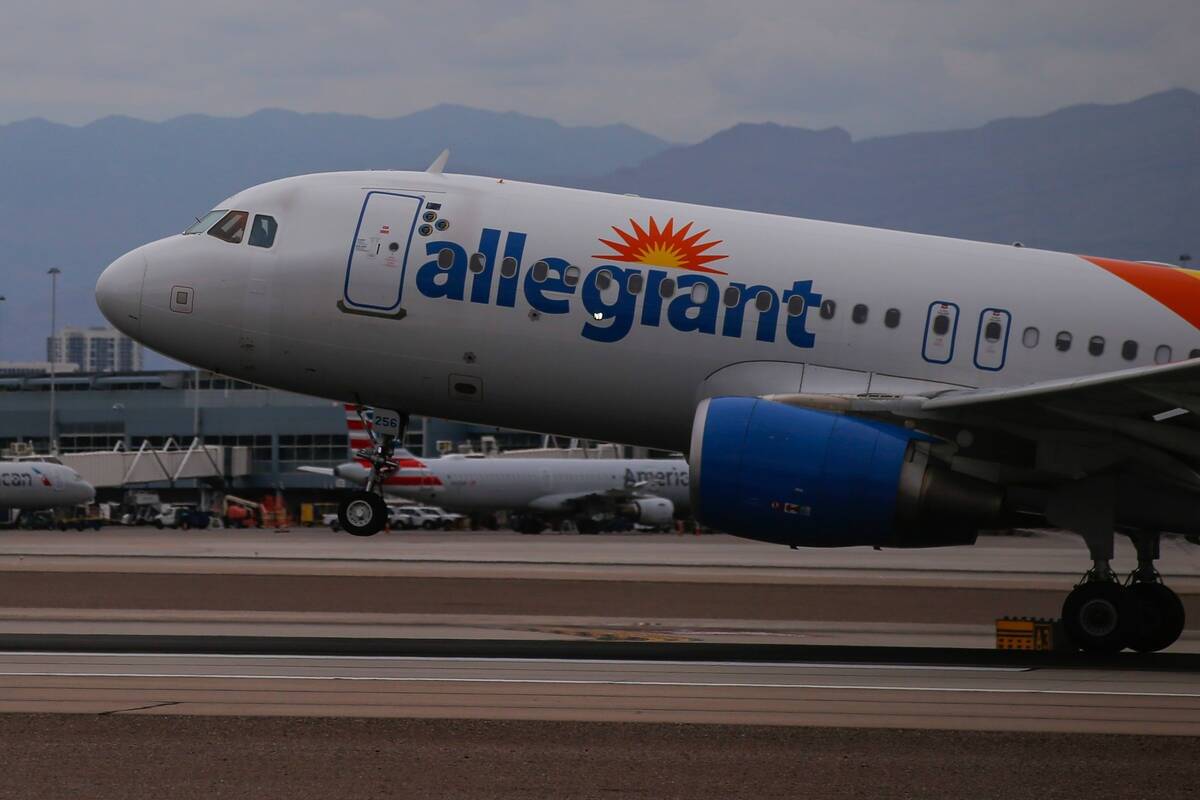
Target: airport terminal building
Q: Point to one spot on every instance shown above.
(283, 431)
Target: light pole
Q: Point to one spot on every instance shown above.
(2, 299)
(53, 272)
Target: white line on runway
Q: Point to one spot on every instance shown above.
(517, 660)
(576, 682)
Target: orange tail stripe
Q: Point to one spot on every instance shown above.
(1177, 289)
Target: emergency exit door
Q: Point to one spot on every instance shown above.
(379, 252)
(941, 331)
(991, 340)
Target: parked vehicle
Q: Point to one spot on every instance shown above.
(432, 517)
(180, 516)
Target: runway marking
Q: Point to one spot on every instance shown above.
(579, 682)
(514, 660)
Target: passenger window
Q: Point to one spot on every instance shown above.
(993, 331)
(541, 271)
(263, 232)
(699, 293)
(731, 296)
(891, 318)
(603, 279)
(828, 309)
(1162, 354)
(1031, 337)
(764, 301)
(859, 314)
(795, 305)
(205, 222)
(1194, 354)
(667, 288)
(1062, 342)
(477, 263)
(941, 324)
(231, 228)
(1129, 350)
(508, 267)
(571, 276)
(1096, 345)
(635, 283)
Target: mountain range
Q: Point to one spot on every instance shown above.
(1118, 180)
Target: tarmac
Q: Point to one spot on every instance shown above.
(581, 663)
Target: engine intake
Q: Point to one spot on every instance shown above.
(773, 472)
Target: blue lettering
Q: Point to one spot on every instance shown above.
(652, 305)
(796, 333)
(705, 318)
(767, 320)
(617, 315)
(535, 293)
(444, 276)
(506, 291)
(481, 284)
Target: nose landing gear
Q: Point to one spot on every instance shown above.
(364, 513)
(1103, 616)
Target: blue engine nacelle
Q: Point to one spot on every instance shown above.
(777, 473)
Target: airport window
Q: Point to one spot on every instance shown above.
(1129, 349)
(764, 301)
(1096, 345)
(859, 314)
(263, 232)
(231, 228)
(941, 324)
(731, 296)
(1031, 337)
(205, 222)
(635, 283)
(1162, 354)
(508, 267)
(571, 276)
(666, 288)
(828, 309)
(992, 331)
(477, 263)
(1062, 342)
(699, 293)
(541, 271)
(795, 305)
(891, 317)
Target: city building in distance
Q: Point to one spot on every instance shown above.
(94, 349)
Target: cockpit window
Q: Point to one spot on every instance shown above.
(263, 232)
(231, 228)
(205, 222)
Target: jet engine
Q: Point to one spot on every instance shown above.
(649, 511)
(777, 473)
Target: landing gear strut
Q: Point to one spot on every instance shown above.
(1103, 616)
(364, 513)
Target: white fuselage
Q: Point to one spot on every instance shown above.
(39, 484)
(350, 302)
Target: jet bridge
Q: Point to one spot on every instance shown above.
(167, 464)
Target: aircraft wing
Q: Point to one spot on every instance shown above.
(598, 500)
(1150, 414)
(326, 471)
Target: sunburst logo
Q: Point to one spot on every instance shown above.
(664, 247)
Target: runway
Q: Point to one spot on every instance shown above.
(879, 694)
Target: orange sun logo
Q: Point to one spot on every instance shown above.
(665, 247)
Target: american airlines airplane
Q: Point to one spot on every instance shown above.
(586, 491)
(42, 484)
(832, 385)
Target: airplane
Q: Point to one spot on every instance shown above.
(831, 385)
(587, 491)
(42, 484)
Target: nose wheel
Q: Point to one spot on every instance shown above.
(363, 513)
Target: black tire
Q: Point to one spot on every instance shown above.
(587, 527)
(1161, 617)
(363, 514)
(1100, 617)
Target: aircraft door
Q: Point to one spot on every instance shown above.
(941, 329)
(379, 252)
(991, 340)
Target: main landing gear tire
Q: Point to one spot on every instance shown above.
(1101, 617)
(363, 514)
(1162, 617)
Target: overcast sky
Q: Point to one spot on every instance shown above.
(678, 69)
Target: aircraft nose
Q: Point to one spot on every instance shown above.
(119, 292)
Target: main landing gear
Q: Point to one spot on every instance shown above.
(364, 513)
(1102, 615)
